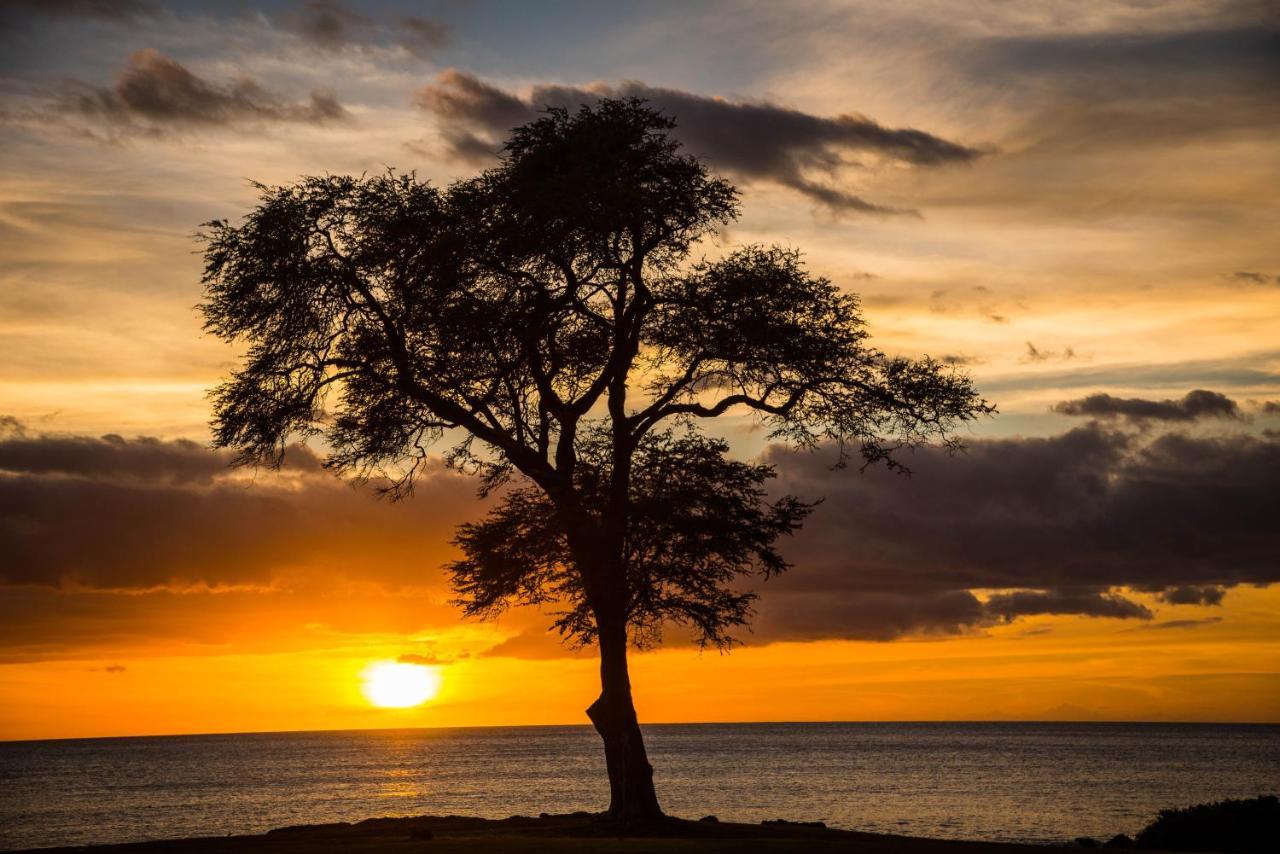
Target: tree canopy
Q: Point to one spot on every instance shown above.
(547, 321)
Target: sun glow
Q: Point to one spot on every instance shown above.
(394, 685)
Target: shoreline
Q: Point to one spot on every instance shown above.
(578, 833)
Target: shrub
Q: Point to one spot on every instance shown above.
(1232, 826)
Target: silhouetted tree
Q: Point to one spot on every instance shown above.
(544, 323)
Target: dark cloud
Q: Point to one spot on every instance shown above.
(331, 26)
(138, 514)
(880, 615)
(110, 457)
(112, 10)
(1012, 528)
(113, 457)
(467, 101)
(154, 94)
(755, 140)
(1193, 594)
(422, 36)
(1046, 525)
(1196, 404)
(115, 668)
(1089, 603)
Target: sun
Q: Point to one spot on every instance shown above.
(394, 685)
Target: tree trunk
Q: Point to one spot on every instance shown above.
(632, 799)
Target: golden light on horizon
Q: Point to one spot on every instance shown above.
(396, 685)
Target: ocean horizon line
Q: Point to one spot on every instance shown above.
(587, 726)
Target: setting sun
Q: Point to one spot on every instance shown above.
(393, 685)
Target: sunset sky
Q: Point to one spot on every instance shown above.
(1089, 228)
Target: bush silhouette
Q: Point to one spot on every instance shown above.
(1243, 826)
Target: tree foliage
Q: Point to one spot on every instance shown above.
(545, 325)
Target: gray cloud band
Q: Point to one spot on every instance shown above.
(332, 26)
(753, 140)
(138, 514)
(1056, 523)
(155, 94)
(1051, 526)
(1199, 403)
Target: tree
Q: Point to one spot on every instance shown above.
(545, 325)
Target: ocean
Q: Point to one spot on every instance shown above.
(1029, 782)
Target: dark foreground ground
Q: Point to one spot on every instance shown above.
(552, 835)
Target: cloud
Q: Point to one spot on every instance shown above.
(1036, 354)
(422, 36)
(141, 514)
(1010, 529)
(754, 140)
(962, 360)
(115, 668)
(1192, 594)
(879, 615)
(979, 300)
(1182, 624)
(113, 10)
(1122, 89)
(1088, 603)
(111, 457)
(1061, 524)
(466, 99)
(1250, 369)
(536, 642)
(1196, 404)
(1250, 277)
(1137, 60)
(329, 24)
(333, 26)
(155, 94)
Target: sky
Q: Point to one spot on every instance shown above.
(1075, 202)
